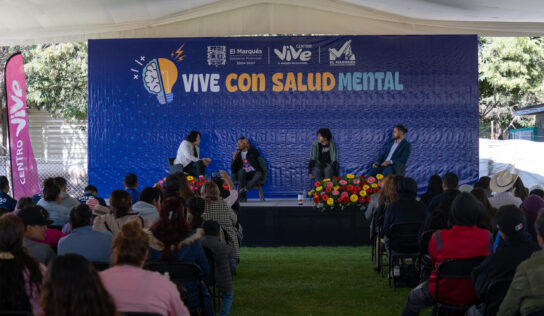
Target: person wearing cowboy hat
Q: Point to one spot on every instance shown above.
(502, 183)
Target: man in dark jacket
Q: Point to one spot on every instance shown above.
(223, 267)
(245, 163)
(502, 265)
(450, 182)
(406, 209)
(394, 156)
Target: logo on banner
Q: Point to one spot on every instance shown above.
(343, 56)
(159, 75)
(243, 56)
(217, 55)
(299, 54)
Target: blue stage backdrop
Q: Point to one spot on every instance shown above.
(145, 95)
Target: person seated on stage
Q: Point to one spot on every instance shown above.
(173, 241)
(323, 157)
(526, 293)
(502, 265)
(65, 199)
(463, 240)
(223, 263)
(51, 202)
(450, 182)
(131, 186)
(395, 155)
(91, 192)
(121, 205)
(246, 165)
(188, 156)
(6, 201)
(148, 203)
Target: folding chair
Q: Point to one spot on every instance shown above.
(403, 244)
(264, 167)
(453, 269)
(101, 266)
(212, 284)
(179, 273)
(493, 296)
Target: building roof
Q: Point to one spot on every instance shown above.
(530, 110)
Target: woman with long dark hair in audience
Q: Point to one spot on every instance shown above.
(20, 274)
(195, 209)
(520, 190)
(134, 289)
(487, 222)
(184, 188)
(174, 241)
(434, 188)
(72, 287)
(121, 205)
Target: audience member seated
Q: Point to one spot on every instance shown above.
(184, 188)
(449, 183)
(434, 188)
(378, 204)
(131, 186)
(94, 245)
(121, 205)
(20, 273)
(65, 199)
(526, 293)
(502, 183)
(218, 210)
(148, 202)
(439, 217)
(51, 202)
(72, 287)
(224, 268)
(406, 209)
(24, 202)
(35, 226)
(487, 221)
(195, 209)
(173, 241)
(537, 190)
(91, 192)
(134, 289)
(502, 264)
(530, 207)
(6, 201)
(176, 186)
(227, 190)
(52, 235)
(245, 164)
(520, 191)
(483, 183)
(463, 240)
(3, 211)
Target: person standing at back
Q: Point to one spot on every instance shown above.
(6, 201)
(131, 186)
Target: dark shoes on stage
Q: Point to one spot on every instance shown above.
(242, 194)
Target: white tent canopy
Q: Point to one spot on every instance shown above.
(41, 21)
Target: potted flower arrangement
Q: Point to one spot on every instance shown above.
(346, 191)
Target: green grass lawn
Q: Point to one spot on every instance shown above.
(312, 281)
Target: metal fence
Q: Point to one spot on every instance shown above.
(75, 174)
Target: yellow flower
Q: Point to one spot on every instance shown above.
(362, 193)
(379, 176)
(319, 188)
(336, 188)
(353, 198)
(330, 201)
(374, 185)
(190, 178)
(350, 176)
(311, 193)
(366, 187)
(164, 179)
(326, 180)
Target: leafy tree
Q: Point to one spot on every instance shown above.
(511, 74)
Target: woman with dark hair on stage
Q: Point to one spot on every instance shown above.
(188, 156)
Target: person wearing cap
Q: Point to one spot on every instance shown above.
(463, 240)
(519, 246)
(526, 292)
(537, 190)
(502, 183)
(35, 226)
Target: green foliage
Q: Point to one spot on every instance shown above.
(511, 74)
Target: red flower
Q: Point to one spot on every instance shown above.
(362, 199)
(317, 183)
(325, 198)
(226, 187)
(316, 200)
(336, 178)
(357, 188)
(369, 191)
(342, 188)
(350, 187)
(368, 198)
(376, 190)
(328, 189)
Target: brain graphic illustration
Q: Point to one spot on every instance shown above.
(151, 77)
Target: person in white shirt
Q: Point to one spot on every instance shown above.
(188, 156)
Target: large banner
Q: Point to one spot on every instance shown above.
(24, 173)
(145, 95)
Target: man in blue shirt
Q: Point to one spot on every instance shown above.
(83, 240)
(91, 192)
(6, 201)
(131, 185)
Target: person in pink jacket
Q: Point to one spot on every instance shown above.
(134, 289)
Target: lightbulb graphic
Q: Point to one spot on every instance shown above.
(160, 85)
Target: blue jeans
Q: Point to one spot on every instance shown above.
(226, 303)
(385, 171)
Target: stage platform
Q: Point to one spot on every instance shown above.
(282, 222)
